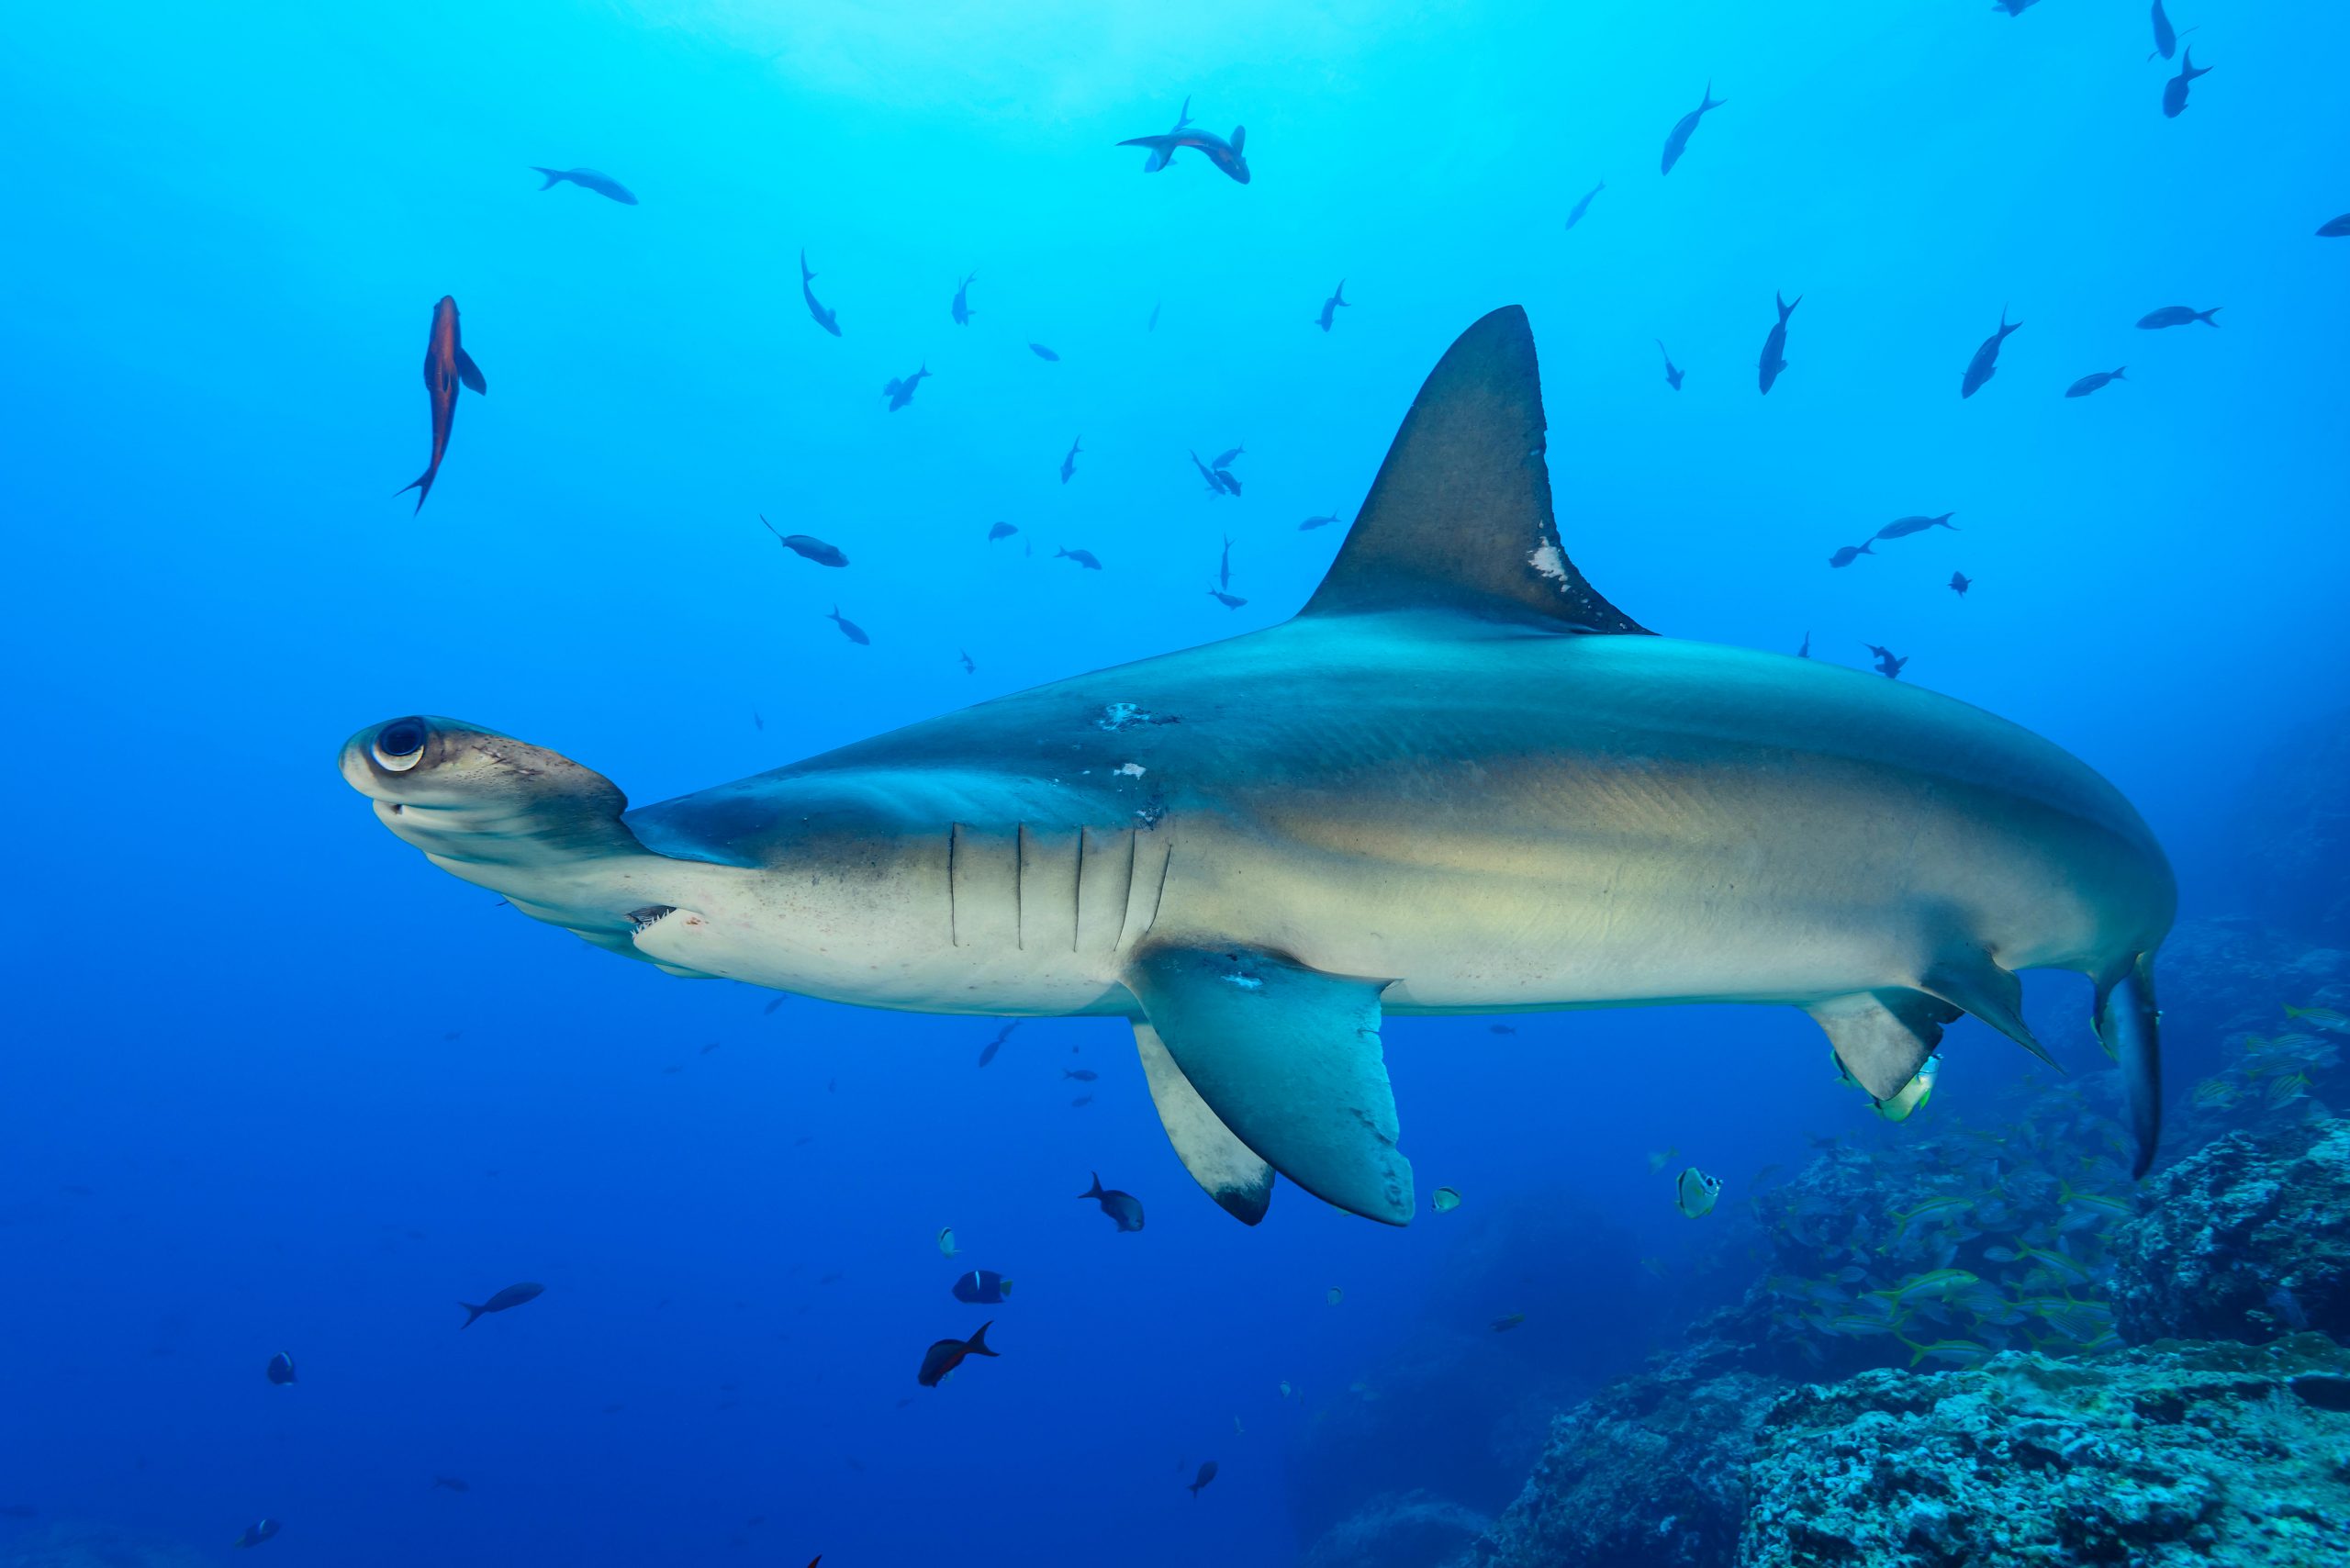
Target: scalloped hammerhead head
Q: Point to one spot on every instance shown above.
(1458, 781)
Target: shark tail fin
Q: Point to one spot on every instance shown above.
(2128, 1026)
(555, 176)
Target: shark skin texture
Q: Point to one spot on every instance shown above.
(1460, 782)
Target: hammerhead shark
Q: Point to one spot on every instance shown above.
(1458, 781)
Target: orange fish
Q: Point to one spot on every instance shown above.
(445, 364)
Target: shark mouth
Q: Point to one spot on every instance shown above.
(644, 920)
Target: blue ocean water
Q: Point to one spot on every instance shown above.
(274, 1083)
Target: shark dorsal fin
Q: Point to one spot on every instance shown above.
(1460, 512)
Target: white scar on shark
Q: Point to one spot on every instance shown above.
(1258, 849)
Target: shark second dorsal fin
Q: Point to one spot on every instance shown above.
(1459, 515)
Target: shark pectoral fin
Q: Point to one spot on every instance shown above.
(1883, 1037)
(1228, 1169)
(2128, 1025)
(470, 373)
(1460, 515)
(1973, 983)
(1288, 1058)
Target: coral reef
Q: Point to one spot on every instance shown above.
(2169, 1456)
(2244, 1239)
(1410, 1530)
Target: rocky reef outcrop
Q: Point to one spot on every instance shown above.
(1414, 1529)
(2246, 1238)
(2294, 834)
(2175, 1455)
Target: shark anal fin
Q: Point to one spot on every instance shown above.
(1883, 1037)
(1973, 983)
(1460, 515)
(1226, 1168)
(1288, 1058)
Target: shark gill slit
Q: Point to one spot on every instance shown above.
(1076, 892)
(1019, 886)
(954, 937)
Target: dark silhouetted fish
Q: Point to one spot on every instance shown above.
(450, 1484)
(1230, 455)
(1332, 306)
(981, 1287)
(961, 308)
(1069, 459)
(1887, 664)
(1156, 160)
(1847, 554)
(1324, 520)
(1903, 527)
(587, 180)
(1504, 1325)
(2091, 382)
(1229, 600)
(769, 1011)
(1082, 1074)
(1206, 1474)
(807, 546)
(1207, 477)
(2335, 229)
(1960, 582)
(2175, 90)
(1041, 351)
(257, 1532)
(945, 1355)
(986, 1053)
(280, 1369)
(446, 366)
(506, 1300)
(1575, 213)
(1676, 141)
(1223, 565)
(849, 629)
(1775, 346)
(1226, 155)
(1122, 1207)
(1805, 652)
(825, 316)
(1081, 1100)
(900, 389)
(1671, 371)
(969, 667)
(2013, 7)
(1000, 531)
(1986, 363)
(2178, 315)
(2166, 37)
(1226, 482)
(1082, 558)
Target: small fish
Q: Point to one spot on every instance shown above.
(1237, 1429)
(1207, 475)
(1226, 482)
(1226, 458)
(1227, 156)
(945, 1355)
(1001, 530)
(1314, 523)
(1903, 527)
(1082, 1074)
(451, 1484)
(969, 667)
(511, 1297)
(1330, 308)
(1986, 363)
(2175, 90)
(2334, 227)
(1934, 1283)
(1913, 1095)
(1575, 213)
(280, 1370)
(1945, 1205)
(1658, 1162)
(1285, 1388)
(1122, 1207)
(981, 1287)
(769, 1011)
(1845, 556)
(1504, 1325)
(2093, 381)
(2177, 316)
(1334, 1295)
(900, 389)
(1676, 141)
(827, 318)
(257, 1532)
(2102, 1202)
(1223, 565)
(807, 546)
(849, 629)
(2291, 1086)
(1672, 372)
(1958, 1352)
(447, 367)
(1444, 1200)
(1774, 345)
(947, 1247)
(2166, 37)
(1805, 652)
(1041, 351)
(1082, 558)
(587, 180)
(1500, 1028)
(1229, 600)
(1888, 663)
(1069, 462)
(2323, 1017)
(987, 1052)
(1206, 1474)
(961, 308)
(1693, 1192)
(1959, 583)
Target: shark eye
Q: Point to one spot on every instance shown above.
(400, 745)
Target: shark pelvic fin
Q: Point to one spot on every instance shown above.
(1883, 1037)
(1459, 515)
(1228, 1169)
(1288, 1058)
(1973, 983)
